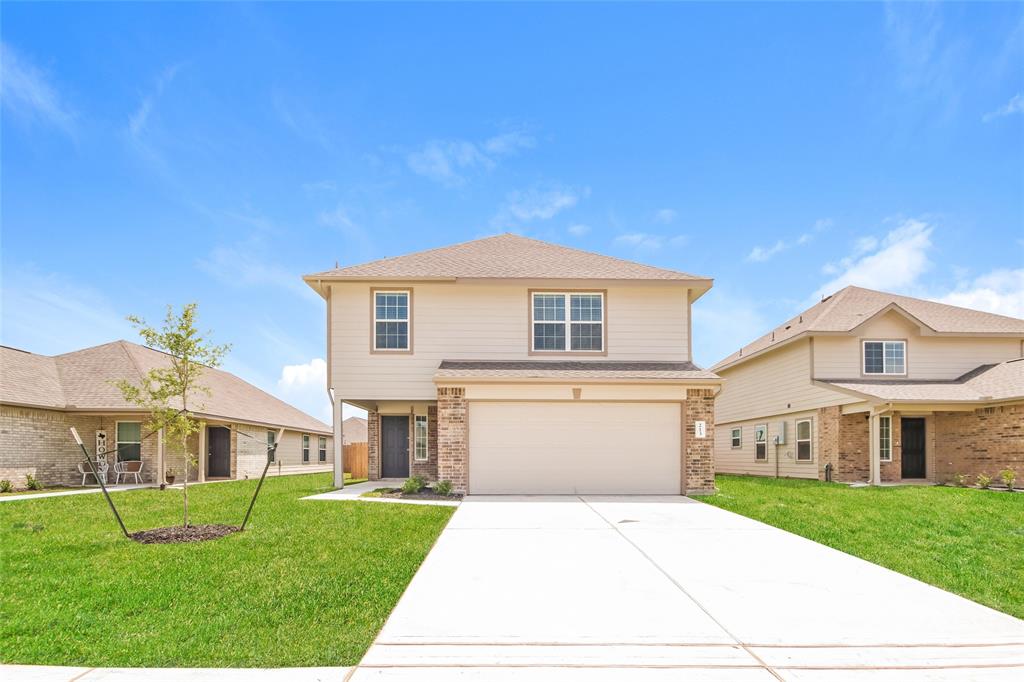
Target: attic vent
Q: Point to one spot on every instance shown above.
(801, 319)
(788, 326)
(825, 298)
(773, 336)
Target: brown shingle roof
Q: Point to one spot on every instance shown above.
(81, 380)
(583, 369)
(850, 307)
(505, 256)
(988, 383)
(353, 430)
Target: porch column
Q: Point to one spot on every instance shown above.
(202, 453)
(339, 445)
(874, 455)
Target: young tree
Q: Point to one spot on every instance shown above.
(170, 394)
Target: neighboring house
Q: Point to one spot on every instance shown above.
(354, 430)
(511, 365)
(881, 387)
(41, 397)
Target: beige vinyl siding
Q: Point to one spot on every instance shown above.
(774, 383)
(487, 321)
(741, 460)
(928, 357)
(252, 452)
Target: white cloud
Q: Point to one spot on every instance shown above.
(523, 206)
(1014, 106)
(759, 254)
(665, 216)
(357, 237)
(579, 230)
(305, 387)
(896, 263)
(1000, 291)
(247, 264)
(140, 118)
(644, 241)
(929, 58)
(27, 93)
(450, 162)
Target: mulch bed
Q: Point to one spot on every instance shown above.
(425, 494)
(174, 534)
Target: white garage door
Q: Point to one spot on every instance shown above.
(566, 448)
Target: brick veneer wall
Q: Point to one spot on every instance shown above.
(373, 444)
(892, 471)
(828, 440)
(854, 443)
(453, 437)
(428, 469)
(986, 440)
(699, 453)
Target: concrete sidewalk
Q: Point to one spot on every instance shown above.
(609, 588)
(47, 673)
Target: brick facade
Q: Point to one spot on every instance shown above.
(986, 440)
(699, 453)
(453, 437)
(828, 441)
(373, 444)
(428, 469)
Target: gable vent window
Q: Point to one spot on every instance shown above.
(885, 357)
(567, 322)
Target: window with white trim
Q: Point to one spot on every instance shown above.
(737, 437)
(885, 357)
(803, 440)
(567, 322)
(129, 441)
(322, 450)
(420, 434)
(271, 439)
(885, 439)
(391, 320)
(761, 442)
(305, 448)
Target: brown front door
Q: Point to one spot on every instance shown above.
(219, 444)
(912, 437)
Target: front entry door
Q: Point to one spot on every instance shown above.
(394, 447)
(912, 435)
(219, 463)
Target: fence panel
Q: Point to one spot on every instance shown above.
(357, 459)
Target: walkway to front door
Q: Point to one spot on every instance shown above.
(394, 447)
(668, 588)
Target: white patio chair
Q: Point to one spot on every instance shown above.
(126, 469)
(85, 470)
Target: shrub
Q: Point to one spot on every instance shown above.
(443, 487)
(413, 485)
(32, 483)
(960, 479)
(984, 480)
(1008, 476)
(6, 486)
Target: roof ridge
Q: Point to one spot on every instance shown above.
(131, 358)
(603, 255)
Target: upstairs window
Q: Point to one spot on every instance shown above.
(568, 322)
(761, 442)
(885, 357)
(323, 449)
(391, 321)
(803, 440)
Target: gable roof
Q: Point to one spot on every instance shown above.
(353, 430)
(852, 306)
(81, 380)
(505, 256)
(987, 383)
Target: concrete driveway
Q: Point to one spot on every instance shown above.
(652, 588)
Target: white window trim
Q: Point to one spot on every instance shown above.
(568, 321)
(733, 438)
(321, 448)
(757, 442)
(117, 438)
(407, 320)
(272, 440)
(863, 359)
(426, 438)
(884, 455)
(809, 440)
(306, 442)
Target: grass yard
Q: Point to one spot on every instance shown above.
(967, 541)
(309, 583)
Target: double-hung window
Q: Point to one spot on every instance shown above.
(129, 441)
(322, 454)
(761, 442)
(885, 439)
(391, 321)
(271, 439)
(885, 357)
(803, 440)
(737, 437)
(305, 448)
(567, 322)
(420, 453)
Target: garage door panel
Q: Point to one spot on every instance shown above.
(567, 448)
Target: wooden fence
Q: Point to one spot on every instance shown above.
(357, 459)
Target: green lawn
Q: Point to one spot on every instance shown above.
(967, 541)
(309, 583)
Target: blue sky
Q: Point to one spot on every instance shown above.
(156, 154)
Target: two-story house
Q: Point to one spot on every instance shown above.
(512, 365)
(870, 386)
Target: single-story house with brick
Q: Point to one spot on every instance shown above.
(875, 387)
(41, 397)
